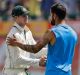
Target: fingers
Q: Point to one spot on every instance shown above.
(9, 38)
(44, 57)
(10, 41)
(14, 36)
(42, 62)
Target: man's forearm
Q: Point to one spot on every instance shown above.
(28, 48)
(20, 45)
(33, 48)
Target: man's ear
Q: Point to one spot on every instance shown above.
(55, 16)
(15, 17)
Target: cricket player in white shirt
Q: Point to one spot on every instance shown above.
(18, 61)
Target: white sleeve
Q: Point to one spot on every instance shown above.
(22, 60)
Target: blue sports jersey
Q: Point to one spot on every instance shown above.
(60, 54)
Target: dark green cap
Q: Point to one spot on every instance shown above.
(19, 10)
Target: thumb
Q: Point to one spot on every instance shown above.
(43, 56)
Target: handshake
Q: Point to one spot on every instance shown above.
(42, 61)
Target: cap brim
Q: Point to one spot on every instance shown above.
(26, 13)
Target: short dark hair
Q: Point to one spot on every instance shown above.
(59, 10)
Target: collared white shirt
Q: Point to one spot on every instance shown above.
(16, 57)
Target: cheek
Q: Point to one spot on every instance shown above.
(25, 20)
(53, 21)
(22, 20)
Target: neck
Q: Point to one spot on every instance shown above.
(21, 25)
(60, 22)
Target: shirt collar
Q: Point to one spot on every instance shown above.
(19, 27)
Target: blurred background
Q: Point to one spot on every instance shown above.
(39, 23)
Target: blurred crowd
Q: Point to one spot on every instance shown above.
(38, 8)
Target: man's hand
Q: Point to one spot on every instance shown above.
(42, 62)
(12, 41)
